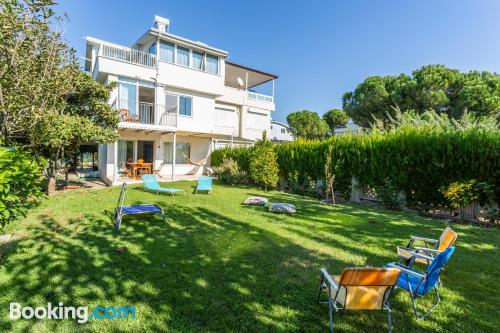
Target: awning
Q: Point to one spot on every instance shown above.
(255, 77)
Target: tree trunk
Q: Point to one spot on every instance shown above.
(51, 186)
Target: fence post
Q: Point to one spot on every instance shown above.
(355, 190)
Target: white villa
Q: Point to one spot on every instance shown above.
(176, 92)
(280, 132)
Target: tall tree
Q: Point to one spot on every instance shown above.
(336, 118)
(307, 124)
(436, 87)
(45, 100)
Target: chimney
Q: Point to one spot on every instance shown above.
(161, 23)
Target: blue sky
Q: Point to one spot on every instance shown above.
(320, 49)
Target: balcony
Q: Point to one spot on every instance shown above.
(260, 97)
(126, 54)
(146, 113)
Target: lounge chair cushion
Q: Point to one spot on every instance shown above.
(140, 209)
(282, 208)
(168, 190)
(257, 201)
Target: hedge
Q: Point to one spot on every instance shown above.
(419, 161)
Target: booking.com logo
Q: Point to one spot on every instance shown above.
(81, 313)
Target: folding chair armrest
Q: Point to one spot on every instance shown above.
(430, 240)
(421, 256)
(329, 279)
(426, 249)
(406, 270)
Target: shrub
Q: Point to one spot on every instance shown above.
(263, 164)
(390, 195)
(419, 159)
(240, 155)
(229, 172)
(462, 194)
(20, 178)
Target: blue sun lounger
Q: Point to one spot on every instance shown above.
(204, 184)
(122, 210)
(151, 184)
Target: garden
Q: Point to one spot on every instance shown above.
(217, 265)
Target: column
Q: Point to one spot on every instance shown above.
(174, 148)
(115, 162)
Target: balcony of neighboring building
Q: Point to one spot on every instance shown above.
(247, 86)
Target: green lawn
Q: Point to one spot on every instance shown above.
(218, 266)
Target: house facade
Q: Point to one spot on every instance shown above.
(178, 100)
(279, 132)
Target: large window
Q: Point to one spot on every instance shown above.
(185, 106)
(183, 149)
(125, 153)
(212, 64)
(182, 56)
(198, 60)
(167, 51)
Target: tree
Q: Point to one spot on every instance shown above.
(264, 167)
(336, 118)
(307, 124)
(86, 117)
(45, 100)
(436, 87)
(34, 61)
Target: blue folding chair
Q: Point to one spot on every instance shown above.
(204, 184)
(418, 284)
(122, 210)
(151, 184)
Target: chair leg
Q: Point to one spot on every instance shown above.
(320, 289)
(330, 315)
(424, 314)
(389, 321)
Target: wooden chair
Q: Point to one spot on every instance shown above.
(126, 116)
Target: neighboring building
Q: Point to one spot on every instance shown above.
(349, 127)
(280, 132)
(175, 92)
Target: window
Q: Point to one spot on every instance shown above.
(271, 126)
(212, 64)
(125, 153)
(198, 60)
(283, 130)
(183, 149)
(185, 106)
(167, 51)
(152, 49)
(182, 56)
(225, 117)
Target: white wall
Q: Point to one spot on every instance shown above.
(188, 78)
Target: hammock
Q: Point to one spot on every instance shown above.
(201, 163)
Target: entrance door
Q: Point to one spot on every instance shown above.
(145, 151)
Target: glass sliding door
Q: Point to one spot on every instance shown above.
(127, 94)
(183, 149)
(125, 154)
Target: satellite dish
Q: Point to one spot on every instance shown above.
(240, 81)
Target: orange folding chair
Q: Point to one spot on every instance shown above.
(358, 289)
(432, 247)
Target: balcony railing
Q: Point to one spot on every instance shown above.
(127, 54)
(146, 113)
(259, 97)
